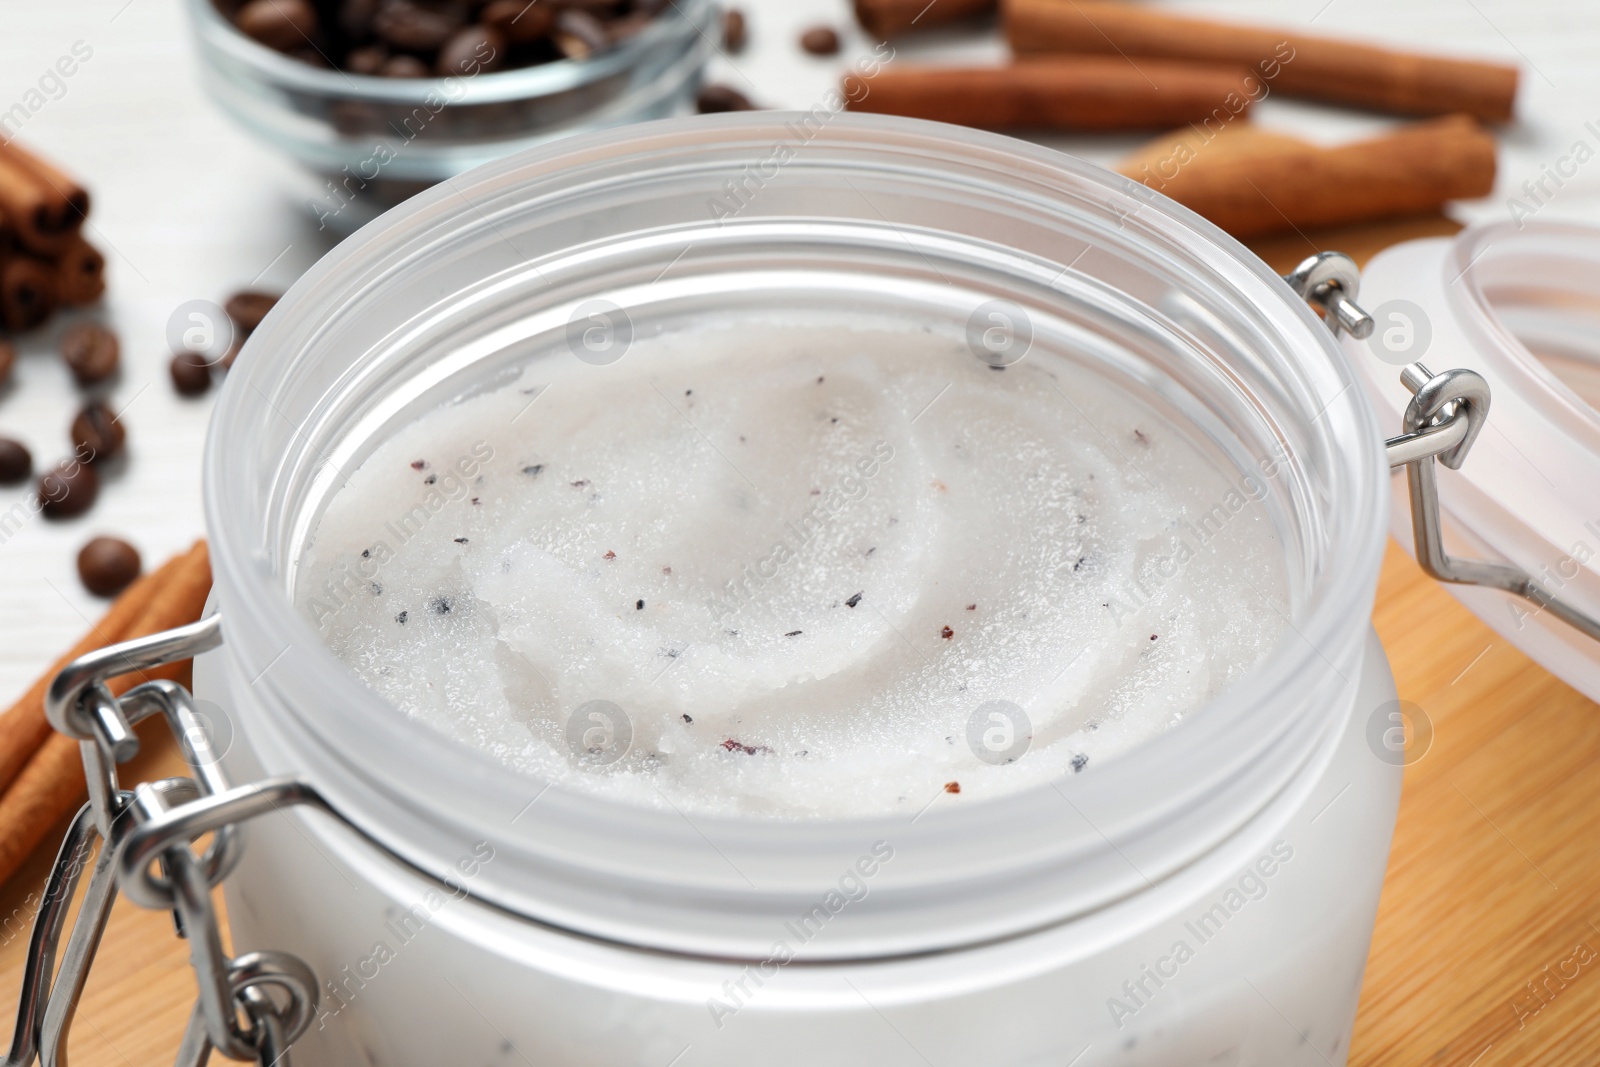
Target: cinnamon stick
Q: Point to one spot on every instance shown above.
(43, 204)
(80, 274)
(1069, 93)
(1295, 63)
(1278, 185)
(46, 781)
(49, 787)
(888, 18)
(27, 291)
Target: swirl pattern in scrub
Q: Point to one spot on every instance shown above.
(798, 574)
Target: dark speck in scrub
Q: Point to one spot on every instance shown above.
(532, 470)
(610, 555)
(401, 618)
(419, 464)
(440, 605)
(580, 483)
(996, 366)
(794, 633)
(461, 540)
(972, 607)
(871, 550)
(638, 605)
(853, 601)
(947, 633)
(688, 720)
(377, 590)
(1079, 762)
(1138, 435)
(430, 479)
(366, 553)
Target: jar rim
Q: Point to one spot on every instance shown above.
(1324, 641)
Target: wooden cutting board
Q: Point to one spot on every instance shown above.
(1492, 893)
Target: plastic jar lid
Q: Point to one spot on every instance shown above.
(1521, 307)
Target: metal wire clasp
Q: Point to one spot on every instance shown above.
(1446, 413)
(1444, 418)
(1332, 281)
(249, 1007)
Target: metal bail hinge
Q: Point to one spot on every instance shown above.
(1332, 281)
(250, 1007)
(1442, 421)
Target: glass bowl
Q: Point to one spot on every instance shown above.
(372, 142)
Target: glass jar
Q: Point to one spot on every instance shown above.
(371, 141)
(1207, 897)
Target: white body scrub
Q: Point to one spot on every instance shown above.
(807, 573)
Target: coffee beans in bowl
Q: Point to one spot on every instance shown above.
(443, 38)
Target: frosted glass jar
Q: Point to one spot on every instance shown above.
(1206, 897)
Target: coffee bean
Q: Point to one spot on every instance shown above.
(579, 34)
(522, 21)
(820, 41)
(191, 374)
(108, 565)
(474, 50)
(368, 59)
(282, 24)
(415, 26)
(716, 98)
(734, 33)
(68, 489)
(403, 66)
(8, 360)
(91, 352)
(16, 462)
(355, 18)
(97, 434)
(247, 308)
